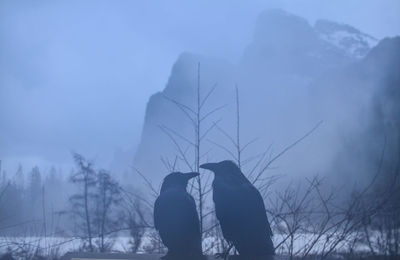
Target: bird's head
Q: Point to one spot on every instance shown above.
(222, 169)
(177, 180)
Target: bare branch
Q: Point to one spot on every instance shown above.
(209, 129)
(212, 112)
(147, 181)
(249, 143)
(286, 149)
(165, 128)
(184, 108)
(223, 148)
(208, 95)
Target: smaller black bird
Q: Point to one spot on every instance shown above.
(176, 218)
(7, 256)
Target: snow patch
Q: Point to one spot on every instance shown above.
(351, 41)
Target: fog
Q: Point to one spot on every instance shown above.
(100, 100)
(77, 76)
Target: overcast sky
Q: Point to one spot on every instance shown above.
(76, 75)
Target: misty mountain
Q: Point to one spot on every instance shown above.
(378, 73)
(291, 76)
(297, 47)
(358, 95)
(161, 112)
(346, 38)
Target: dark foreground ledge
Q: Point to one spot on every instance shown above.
(120, 256)
(108, 256)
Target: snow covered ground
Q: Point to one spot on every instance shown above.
(62, 245)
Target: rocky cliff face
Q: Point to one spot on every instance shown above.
(371, 87)
(285, 43)
(162, 114)
(291, 76)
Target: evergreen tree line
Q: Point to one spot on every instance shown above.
(88, 205)
(25, 195)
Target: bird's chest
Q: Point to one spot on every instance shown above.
(229, 201)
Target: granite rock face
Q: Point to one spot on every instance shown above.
(371, 87)
(290, 76)
(164, 117)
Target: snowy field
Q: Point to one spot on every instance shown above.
(61, 245)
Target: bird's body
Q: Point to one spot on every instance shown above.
(241, 212)
(176, 219)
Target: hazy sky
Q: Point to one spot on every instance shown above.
(76, 75)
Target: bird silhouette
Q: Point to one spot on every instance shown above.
(241, 212)
(176, 218)
(7, 256)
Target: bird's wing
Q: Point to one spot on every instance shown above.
(241, 204)
(258, 209)
(157, 213)
(241, 212)
(176, 219)
(226, 208)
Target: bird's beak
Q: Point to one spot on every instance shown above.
(190, 175)
(209, 166)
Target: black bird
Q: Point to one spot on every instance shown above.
(176, 218)
(240, 211)
(7, 256)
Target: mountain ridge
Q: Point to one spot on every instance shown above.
(263, 74)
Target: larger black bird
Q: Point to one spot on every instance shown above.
(176, 218)
(240, 211)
